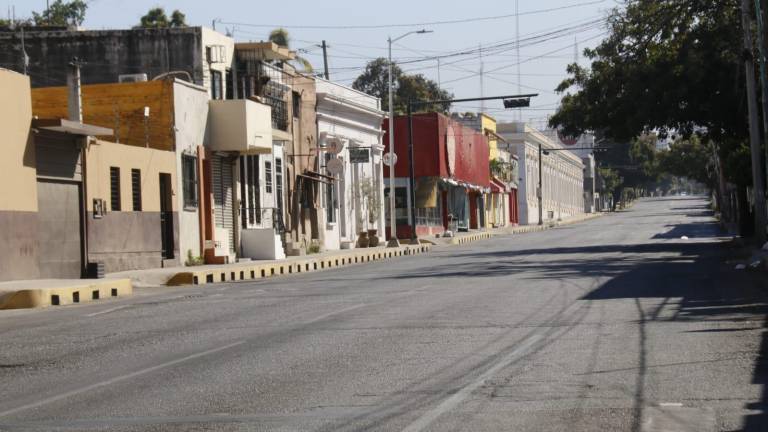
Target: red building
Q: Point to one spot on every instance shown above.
(451, 175)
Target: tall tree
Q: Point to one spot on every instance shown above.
(156, 18)
(375, 81)
(62, 14)
(281, 37)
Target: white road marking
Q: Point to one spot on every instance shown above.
(330, 314)
(447, 405)
(670, 404)
(116, 308)
(117, 379)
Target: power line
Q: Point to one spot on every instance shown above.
(430, 23)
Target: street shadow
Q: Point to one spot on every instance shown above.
(692, 278)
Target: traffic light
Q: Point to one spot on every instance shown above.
(517, 103)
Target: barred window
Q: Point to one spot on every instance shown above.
(136, 189)
(189, 181)
(114, 188)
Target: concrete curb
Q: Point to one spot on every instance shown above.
(483, 235)
(255, 270)
(35, 294)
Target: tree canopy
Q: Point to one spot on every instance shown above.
(375, 81)
(156, 18)
(281, 37)
(665, 65)
(62, 13)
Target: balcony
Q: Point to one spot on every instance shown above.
(241, 125)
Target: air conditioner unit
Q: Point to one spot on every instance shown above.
(131, 78)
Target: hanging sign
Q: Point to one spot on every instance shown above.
(359, 155)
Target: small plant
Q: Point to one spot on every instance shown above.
(371, 199)
(313, 249)
(193, 260)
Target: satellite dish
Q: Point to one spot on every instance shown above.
(334, 166)
(389, 159)
(334, 145)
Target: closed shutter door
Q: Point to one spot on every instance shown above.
(59, 229)
(223, 198)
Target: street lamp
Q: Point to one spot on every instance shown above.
(393, 242)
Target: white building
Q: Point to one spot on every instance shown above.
(349, 127)
(562, 179)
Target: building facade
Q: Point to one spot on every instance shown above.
(562, 175)
(452, 176)
(349, 126)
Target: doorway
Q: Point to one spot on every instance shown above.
(166, 216)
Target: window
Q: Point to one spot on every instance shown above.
(279, 183)
(296, 105)
(189, 181)
(136, 189)
(330, 196)
(268, 176)
(217, 88)
(114, 188)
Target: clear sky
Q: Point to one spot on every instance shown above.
(544, 54)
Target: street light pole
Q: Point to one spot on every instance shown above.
(393, 242)
(540, 191)
(392, 220)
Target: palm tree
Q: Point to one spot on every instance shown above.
(281, 37)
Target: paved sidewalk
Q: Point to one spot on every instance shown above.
(56, 292)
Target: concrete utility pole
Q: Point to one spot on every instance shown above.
(539, 191)
(74, 95)
(325, 59)
(758, 184)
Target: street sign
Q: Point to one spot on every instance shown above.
(334, 145)
(389, 159)
(334, 166)
(359, 155)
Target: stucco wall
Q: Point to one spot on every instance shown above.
(18, 190)
(126, 239)
(191, 125)
(18, 184)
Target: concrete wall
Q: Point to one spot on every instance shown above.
(191, 132)
(18, 185)
(108, 53)
(127, 239)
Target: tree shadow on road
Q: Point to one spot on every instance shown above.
(693, 278)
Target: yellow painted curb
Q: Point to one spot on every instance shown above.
(256, 270)
(471, 238)
(80, 292)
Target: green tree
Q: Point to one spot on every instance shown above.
(375, 81)
(61, 13)
(281, 37)
(156, 18)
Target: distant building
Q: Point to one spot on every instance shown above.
(562, 175)
(452, 175)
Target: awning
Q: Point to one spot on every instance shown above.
(71, 127)
(496, 188)
(317, 179)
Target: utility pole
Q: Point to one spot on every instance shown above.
(325, 59)
(539, 191)
(758, 184)
(24, 56)
(517, 44)
(74, 96)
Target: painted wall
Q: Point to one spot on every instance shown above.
(191, 133)
(355, 118)
(430, 133)
(126, 239)
(18, 184)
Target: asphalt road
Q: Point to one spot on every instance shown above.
(617, 324)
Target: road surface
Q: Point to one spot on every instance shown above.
(617, 324)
